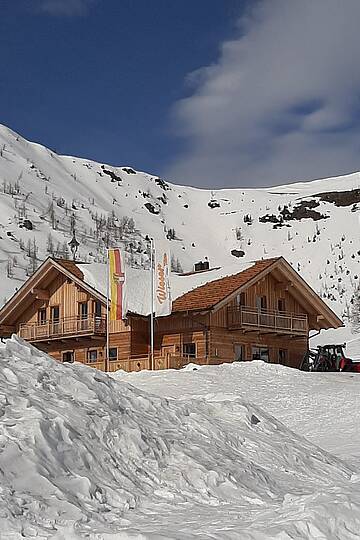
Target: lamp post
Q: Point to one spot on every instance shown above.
(152, 310)
(74, 246)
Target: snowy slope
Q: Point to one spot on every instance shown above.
(84, 455)
(318, 234)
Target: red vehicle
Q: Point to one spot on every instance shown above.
(329, 358)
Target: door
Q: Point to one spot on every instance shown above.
(264, 317)
(97, 308)
(83, 315)
(42, 328)
(240, 300)
(261, 302)
(283, 356)
(42, 316)
(238, 352)
(167, 352)
(99, 323)
(55, 319)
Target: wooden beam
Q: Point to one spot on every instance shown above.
(313, 323)
(310, 296)
(6, 330)
(40, 294)
(284, 285)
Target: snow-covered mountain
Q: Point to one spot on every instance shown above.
(44, 197)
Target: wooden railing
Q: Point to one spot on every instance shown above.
(52, 329)
(138, 363)
(168, 361)
(178, 362)
(276, 321)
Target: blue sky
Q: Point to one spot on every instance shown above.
(205, 92)
(98, 79)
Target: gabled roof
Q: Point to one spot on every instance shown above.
(215, 294)
(44, 274)
(208, 295)
(211, 295)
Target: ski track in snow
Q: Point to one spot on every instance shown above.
(203, 454)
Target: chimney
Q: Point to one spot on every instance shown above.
(202, 266)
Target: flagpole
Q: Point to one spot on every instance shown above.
(107, 310)
(152, 304)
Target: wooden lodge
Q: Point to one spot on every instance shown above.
(265, 312)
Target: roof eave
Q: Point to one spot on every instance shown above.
(49, 263)
(329, 315)
(245, 285)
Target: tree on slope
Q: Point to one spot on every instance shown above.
(355, 311)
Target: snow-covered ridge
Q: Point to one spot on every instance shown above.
(85, 455)
(44, 196)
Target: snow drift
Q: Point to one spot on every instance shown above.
(83, 455)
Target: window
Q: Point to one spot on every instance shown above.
(55, 314)
(189, 350)
(281, 304)
(240, 300)
(283, 356)
(260, 353)
(42, 316)
(68, 356)
(238, 352)
(92, 355)
(97, 308)
(261, 302)
(113, 353)
(83, 310)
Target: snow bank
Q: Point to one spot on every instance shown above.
(339, 336)
(85, 456)
(322, 407)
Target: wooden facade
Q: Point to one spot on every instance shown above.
(265, 314)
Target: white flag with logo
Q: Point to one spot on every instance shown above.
(162, 293)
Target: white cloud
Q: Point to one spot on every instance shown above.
(70, 8)
(282, 101)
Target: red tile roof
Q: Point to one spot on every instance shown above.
(208, 295)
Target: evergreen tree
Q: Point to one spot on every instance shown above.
(355, 311)
(9, 269)
(50, 245)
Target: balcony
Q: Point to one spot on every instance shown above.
(63, 328)
(264, 320)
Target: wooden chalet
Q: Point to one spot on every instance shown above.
(265, 311)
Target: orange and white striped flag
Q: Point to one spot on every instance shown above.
(117, 284)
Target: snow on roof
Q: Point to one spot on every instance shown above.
(138, 282)
(94, 275)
